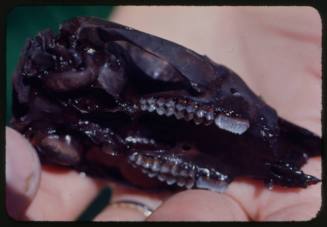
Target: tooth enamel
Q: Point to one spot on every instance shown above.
(188, 116)
(133, 157)
(198, 121)
(211, 184)
(161, 177)
(160, 102)
(152, 174)
(165, 168)
(170, 111)
(200, 113)
(233, 125)
(151, 101)
(145, 171)
(179, 107)
(170, 103)
(204, 172)
(151, 108)
(190, 109)
(210, 116)
(142, 101)
(191, 173)
(160, 110)
(139, 160)
(171, 180)
(189, 183)
(181, 182)
(129, 139)
(183, 173)
(147, 163)
(144, 107)
(155, 166)
(179, 115)
(174, 170)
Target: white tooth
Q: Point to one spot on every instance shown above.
(198, 121)
(190, 109)
(133, 157)
(145, 171)
(210, 116)
(160, 110)
(170, 103)
(155, 166)
(142, 101)
(188, 116)
(200, 113)
(144, 107)
(180, 107)
(152, 141)
(233, 125)
(139, 160)
(151, 101)
(170, 111)
(147, 163)
(162, 177)
(165, 168)
(204, 172)
(152, 174)
(191, 173)
(189, 183)
(179, 115)
(128, 139)
(151, 108)
(211, 184)
(183, 173)
(144, 141)
(171, 180)
(181, 182)
(160, 102)
(174, 170)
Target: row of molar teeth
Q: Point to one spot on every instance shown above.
(164, 170)
(139, 140)
(181, 110)
(199, 115)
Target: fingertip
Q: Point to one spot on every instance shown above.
(199, 205)
(23, 171)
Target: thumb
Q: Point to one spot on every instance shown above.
(22, 173)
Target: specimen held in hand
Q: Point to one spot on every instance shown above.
(113, 101)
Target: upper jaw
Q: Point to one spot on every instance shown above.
(189, 110)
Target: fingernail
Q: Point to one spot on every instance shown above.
(22, 173)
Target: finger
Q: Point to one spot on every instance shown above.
(63, 195)
(263, 204)
(199, 205)
(131, 204)
(22, 173)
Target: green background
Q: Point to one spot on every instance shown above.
(25, 22)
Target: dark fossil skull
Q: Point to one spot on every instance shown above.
(108, 99)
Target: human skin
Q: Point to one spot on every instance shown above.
(276, 50)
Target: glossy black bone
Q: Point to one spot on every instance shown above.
(102, 96)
